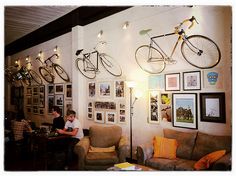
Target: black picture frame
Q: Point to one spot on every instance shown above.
(192, 80)
(213, 107)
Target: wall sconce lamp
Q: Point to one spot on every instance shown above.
(40, 54)
(27, 58)
(100, 34)
(16, 63)
(125, 25)
(55, 49)
(138, 94)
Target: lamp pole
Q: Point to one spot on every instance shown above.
(131, 117)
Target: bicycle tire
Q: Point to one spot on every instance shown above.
(110, 65)
(142, 56)
(209, 57)
(61, 72)
(35, 77)
(46, 75)
(82, 66)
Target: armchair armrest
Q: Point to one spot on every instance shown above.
(224, 163)
(81, 149)
(123, 149)
(144, 152)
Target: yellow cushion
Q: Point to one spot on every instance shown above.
(208, 159)
(98, 149)
(164, 147)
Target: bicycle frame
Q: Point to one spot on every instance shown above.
(87, 64)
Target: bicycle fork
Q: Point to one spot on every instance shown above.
(192, 47)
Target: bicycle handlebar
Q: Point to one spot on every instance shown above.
(192, 19)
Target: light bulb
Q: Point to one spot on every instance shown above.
(100, 34)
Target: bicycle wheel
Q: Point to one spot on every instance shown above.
(150, 59)
(61, 72)
(86, 68)
(110, 65)
(201, 52)
(46, 75)
(35, 77)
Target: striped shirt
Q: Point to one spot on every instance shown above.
(19, 127)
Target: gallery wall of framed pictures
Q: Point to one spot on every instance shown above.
(184, 98)
(39, 100)
(106, 101)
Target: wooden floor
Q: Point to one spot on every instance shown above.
(14, 160)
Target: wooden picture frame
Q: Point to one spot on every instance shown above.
(213, 107)
(192, 80)
(184, 110)
(172, 82)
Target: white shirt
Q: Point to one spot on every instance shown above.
(73, 125)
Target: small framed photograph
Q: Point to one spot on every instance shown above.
(35, 90)
(154, 100)
(192, 80)
(42, 89)
(68, 106)
(172, 82)
(69, 90)
(90, 116)
(51, 90)
(59, 100)
(29, 91)
(35, 100)
(28, 110)
(41, 111)
(212, 107)
(122, 105)
(99, 116)
(111, 117)
(62, 110)
(213, 79)
(122, 119)
(184, 110)
(28, 100)
(35, 110)
(105, 90)
(122, 112)
(91, 89)
(119, 89)
(50, 104)
(166, 115)
(59, 89)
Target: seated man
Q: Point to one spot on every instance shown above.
(74, 130)
(58, 121)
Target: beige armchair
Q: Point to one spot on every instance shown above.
(94, 151)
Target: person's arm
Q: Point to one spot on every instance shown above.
(71, 133)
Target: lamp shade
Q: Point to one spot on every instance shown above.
(130, 84)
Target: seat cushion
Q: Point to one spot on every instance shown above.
(206, 144)
(99, 158)
(105, 136)
(161, 163)
(184, 165)
(185, 140)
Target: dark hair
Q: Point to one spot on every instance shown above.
(20, 116)
(57, 109)
(69, 112)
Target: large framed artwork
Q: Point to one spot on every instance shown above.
(213, 107)
(154, 100)
(172, 82)
(184, 110)
(192, 80)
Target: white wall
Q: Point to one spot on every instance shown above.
(214, 22)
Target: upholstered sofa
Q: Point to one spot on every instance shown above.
(104, 147)
(191, 147)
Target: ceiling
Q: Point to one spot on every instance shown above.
(22, 20)
(27, 26)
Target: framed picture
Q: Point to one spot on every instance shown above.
(122, 119)
(172, 82)
(42, 89)
(213, 107)
(90, 116)
(28, 110)
(105, 105)
(192, 80)
(35, 100)
(105, 89)
(68, 106)
(41, 111)
(28, 100)
(35, 110)
(156, 82)
(119, 89)
(213, 79)
(99, 116)
(111, 117)
(51, 90)
(50, 104)
(69, 90)
(184, 110)
(154, 115)
(59, 89)
(35, 90)
(29, 91)
(59, 100)
(62, 110)
(91, 89)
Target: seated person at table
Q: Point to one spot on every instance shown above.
(58, 121)
(19, 125)
(72, 128)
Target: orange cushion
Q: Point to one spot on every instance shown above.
(208, 159)
(164, 147)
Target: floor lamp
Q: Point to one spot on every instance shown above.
(131, 85)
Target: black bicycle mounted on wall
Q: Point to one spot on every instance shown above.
(198, 50)
(46, 70)
(89, 68)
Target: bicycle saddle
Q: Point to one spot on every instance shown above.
(78, 52)
(143, 32)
